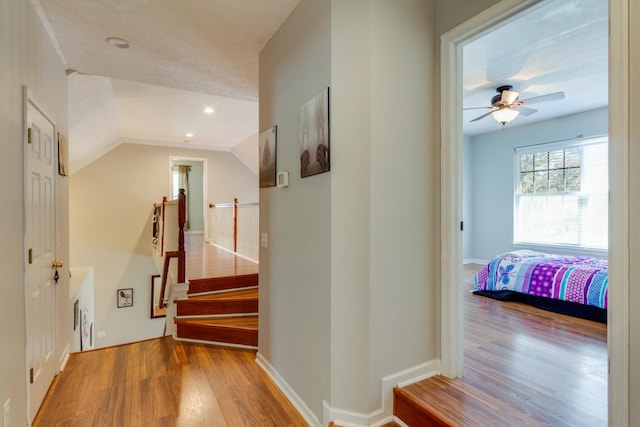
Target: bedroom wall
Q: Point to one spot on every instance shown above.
(111, 217)
(27, 57)
(492, 172)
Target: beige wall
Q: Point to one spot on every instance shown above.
(26, 58)
(111, 212)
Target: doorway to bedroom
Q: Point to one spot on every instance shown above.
(547, 157)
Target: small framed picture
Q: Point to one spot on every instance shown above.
(125, 297)
(76, 314)
(267, 146)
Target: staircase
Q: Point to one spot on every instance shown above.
(220, 310)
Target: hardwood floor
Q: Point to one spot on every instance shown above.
(523, 367)
(205, 260)
(163, 382)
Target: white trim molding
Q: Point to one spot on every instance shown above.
(289, 392)
(384, 414)
(619, 211)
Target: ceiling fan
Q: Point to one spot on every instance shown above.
(505, 106)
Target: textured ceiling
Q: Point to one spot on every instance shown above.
(189, 54)
(184, 55)
(560, 45)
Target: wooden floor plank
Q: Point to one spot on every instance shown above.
(163, 382)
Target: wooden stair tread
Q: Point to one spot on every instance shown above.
(239, 322)
(210, 284)
(226, 295)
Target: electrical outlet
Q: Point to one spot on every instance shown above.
(6, 413)
(102, 334)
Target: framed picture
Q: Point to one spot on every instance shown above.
(156, 311)
(267, 157)
(314, 135)
(125, 297)
(76, 314)
(62, 155)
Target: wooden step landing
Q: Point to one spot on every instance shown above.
(212, 284)
(416, 412)
(230, 302)
(241, 330)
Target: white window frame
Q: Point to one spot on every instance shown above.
(558, 248)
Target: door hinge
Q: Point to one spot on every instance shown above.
(461, 225)
(30, 256)
(31, 376)
(29, 137)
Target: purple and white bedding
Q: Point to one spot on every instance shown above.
(577, 279)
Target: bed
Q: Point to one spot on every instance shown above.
(576, 286)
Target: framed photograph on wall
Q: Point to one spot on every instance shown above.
(156, 284)
(267, 157)
(62, 155)
(314, 135)
(125, 297)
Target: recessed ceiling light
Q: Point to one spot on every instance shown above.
(208, 110)
(188, 135)
(118, 42)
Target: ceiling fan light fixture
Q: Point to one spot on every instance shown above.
(505, 115)
(118, 42)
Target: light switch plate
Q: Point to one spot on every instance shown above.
(264, 240)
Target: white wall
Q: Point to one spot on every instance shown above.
(27, 58)
(492, 173)
(364, 263)
(295, 270)
(111, 217)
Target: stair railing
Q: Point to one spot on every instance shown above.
(180, 254)
(234, 227)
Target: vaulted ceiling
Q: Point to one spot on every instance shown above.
(183, 56)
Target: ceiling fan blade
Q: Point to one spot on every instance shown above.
(477, 108)
(482, 116)
(509, 96)
(525, 111)
(544, 98)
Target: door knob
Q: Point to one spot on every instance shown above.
(57, 263)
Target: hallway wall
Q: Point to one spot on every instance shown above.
(27, 57)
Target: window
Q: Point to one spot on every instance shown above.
(562, 194)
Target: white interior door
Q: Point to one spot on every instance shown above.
(40, 155)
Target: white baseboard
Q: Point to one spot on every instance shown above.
(293, 397)
(347, 418)
(475, 261)
(384, 414)
(64, 357)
